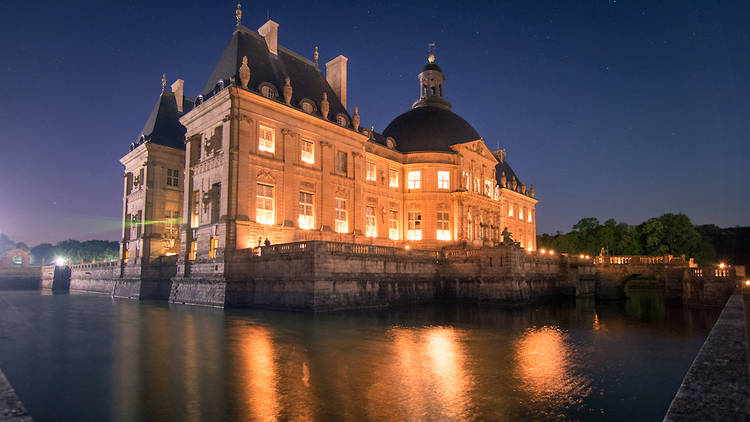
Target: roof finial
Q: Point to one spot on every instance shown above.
(163, 81)
(316, 55)
(431, 50)
(238, 13)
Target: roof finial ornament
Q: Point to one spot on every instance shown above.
(316, 55)
(244, 73)
(163, 81)
(431, 52)
(355, 119)
(324, 106)
(287, 91)
(238, 14)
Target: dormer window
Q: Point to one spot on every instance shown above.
(267, 90)
(342, 120)
(308, 106)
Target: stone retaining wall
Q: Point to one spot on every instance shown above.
(27, 278)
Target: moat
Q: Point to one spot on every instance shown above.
(91, 357)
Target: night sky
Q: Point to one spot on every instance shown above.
(612, 109)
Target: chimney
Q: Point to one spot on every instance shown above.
(270, 32)
(177, 89)
(500, 155)
(336, 77)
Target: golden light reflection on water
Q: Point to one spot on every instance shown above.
(545, 365)
(258, 373)
(425, 377)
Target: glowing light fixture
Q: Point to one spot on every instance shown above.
(722, 265)
(581, 256)
(59, 261)
(543, 251)
(407, 247)
(551, 252)
(528, 249)
(747, 282)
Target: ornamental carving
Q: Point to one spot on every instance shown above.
(372, 199)
(244, 73)
(287, 91)
(340, 190)
(307, 185)
(265, 176)
(355, 118)
(324, 106)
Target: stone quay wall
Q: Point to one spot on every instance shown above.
(616, 273)
(311, 276)
(23, 278)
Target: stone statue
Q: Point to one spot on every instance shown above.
(316, 55)
(523, 187)
(324, 106)
(513, 183)
(531, 192)
(355, 119)
(503, 180)
(238, 14)
(507, 237)
(244, 73)
(287, 91)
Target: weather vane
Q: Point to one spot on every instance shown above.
(431, 50)
(238, 13)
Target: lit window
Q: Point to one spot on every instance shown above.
(127, 257)
(371, 229)
(341, 158)
(415, 179)
(307, 152)
(341, 223)
(520, 213)
(443, 226)
(444, 180)
(266, 139)
(497, 193)
(529, 216)
(470, 228)
(193, 250)
(466, 180)
(306, 217)
(393, 178)
(171, 222)
(371, 171)
(393, 229)
(213, 246)
(173, 177)
(414, 229)
(488, 188)
(264, 205)
(510, 210)
(476, 185)
(195, 220)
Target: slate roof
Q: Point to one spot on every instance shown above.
(163, 126)
(509, 173)
(306, 79)
(429, 128)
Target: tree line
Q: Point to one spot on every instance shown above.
(671, 234)
(73, 250)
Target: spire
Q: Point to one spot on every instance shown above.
(238, 14)
(431, 82)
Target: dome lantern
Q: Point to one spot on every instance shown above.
(431, 81)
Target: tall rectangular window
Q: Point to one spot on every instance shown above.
(341, 165)
(393, 179)
(195, 218)
(466, 180)
(520, 213)
(212, 247)
(171, 224)
(488, 187)
(307, 152)
(529, 216)
(415, 180)
(264, 205)
(393, 226)
(371, 230)
(306, 217)
(371, 172)
(510, 210)
(443, 226)
(266, 140)
(341, 223)
(173, 177)
(444, 180)
(193, 250)
(414, 229)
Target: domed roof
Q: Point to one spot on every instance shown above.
(429, 128)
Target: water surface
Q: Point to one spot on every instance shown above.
(89, 357)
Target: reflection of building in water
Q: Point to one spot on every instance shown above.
(545, 366)
(427, 369)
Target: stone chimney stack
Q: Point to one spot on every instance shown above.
(270, 32)
(177, 89)
(336, 77)
(499, 155)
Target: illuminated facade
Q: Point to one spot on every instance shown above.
(271, 152)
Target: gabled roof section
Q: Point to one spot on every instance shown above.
(306, 79)
(163, 125)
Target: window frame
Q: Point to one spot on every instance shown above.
(263, 142)
(371, 172)
(371, 222)
(264, 215)
(414, 226)
(341, 216)
(444, 179)
(414, 183)
(305, 220)
(310, 159)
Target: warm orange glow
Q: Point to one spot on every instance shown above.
(581, 256)
(407, 247)
(543, 251)
(529, 249)
(747, 282)
(259, 373)
(551, 252)
(545, 367)
(722, 265)
(588, 257)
